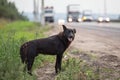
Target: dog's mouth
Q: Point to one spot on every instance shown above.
(70, 39)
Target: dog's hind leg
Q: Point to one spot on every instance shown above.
(22, 54)
(30, 62)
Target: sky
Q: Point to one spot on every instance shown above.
(97, 6)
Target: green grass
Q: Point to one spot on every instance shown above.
(12, 36)
(76, 69)
(70, 69)
(84, 69)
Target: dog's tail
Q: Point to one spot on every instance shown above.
(23, 54)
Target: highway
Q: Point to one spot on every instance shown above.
(97, 37)
(111, 30)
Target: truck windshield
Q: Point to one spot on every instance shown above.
(48, 11)
(74, 14)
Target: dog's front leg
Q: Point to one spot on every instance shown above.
(58, 63)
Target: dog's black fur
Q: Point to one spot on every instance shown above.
(53, 45)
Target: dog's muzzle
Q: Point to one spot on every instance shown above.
(70, 39)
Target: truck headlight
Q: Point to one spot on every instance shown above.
(107, 19)
(79, 20)
(70, 19)
(100, 19)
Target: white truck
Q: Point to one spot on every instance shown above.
(49, 14)
(73, 13)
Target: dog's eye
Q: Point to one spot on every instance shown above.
(68, 31)
(72, 31)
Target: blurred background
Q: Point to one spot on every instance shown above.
(63, 10)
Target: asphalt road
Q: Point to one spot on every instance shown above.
(108, 30)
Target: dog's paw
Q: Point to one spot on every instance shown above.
(30, 73)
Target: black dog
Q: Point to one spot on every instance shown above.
(53, 45)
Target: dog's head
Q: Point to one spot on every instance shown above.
(69, 33)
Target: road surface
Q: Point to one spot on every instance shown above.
(101, 38)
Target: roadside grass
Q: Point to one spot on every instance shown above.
(12, 36)
(76, 69)
(81, 65)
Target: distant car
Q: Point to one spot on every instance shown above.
(103, 19)
(87, 15)
(87, 18)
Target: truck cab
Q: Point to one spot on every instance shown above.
(73, 13)
(49, 14)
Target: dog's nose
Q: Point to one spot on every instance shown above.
(70, 36)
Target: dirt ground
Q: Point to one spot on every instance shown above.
(106, 51)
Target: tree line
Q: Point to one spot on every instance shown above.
(8, 10)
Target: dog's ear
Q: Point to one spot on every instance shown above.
(64, 27)
(74, 30)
